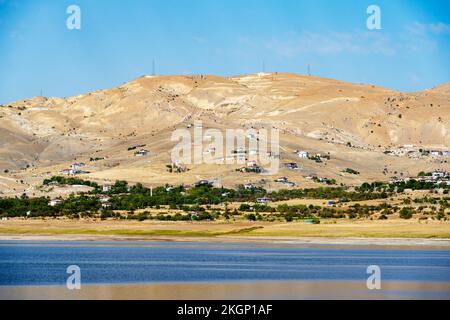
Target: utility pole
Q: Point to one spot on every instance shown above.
(309, 70)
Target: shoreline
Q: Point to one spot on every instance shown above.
(233, 290)
(424, 243)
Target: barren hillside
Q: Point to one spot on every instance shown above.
(375, 131)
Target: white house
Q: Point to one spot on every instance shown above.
(106, 204)
(75, 168)
(438, 174)
(303, 154)
(249, 186)
(55, 202)
(106, 188)
(251, 164)
(435, 153)
(105, 199)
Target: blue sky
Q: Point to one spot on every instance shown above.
(119, 39)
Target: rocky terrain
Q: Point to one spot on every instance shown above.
(377, 132)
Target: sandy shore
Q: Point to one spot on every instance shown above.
(234, 290)
(299, 241)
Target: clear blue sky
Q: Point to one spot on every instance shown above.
(119, 39)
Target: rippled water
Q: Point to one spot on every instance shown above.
(44, 263)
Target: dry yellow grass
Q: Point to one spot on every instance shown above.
(331, 229)
(345, 228)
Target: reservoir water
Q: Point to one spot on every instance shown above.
(44, 264)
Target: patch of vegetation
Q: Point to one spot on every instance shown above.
(351, 171)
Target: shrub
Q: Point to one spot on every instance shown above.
(406, 213)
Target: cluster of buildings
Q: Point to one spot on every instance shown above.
(436, 153)
(414, 152)
(104, 200)
(437, 177)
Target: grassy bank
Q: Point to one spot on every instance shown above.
(331, 229)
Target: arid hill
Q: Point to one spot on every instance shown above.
(378, 132)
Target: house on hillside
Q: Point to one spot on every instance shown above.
(55, 202)
(105, 199)
(106, 205)
(435, 153)
(291, 166)
(264, 200)
(75, 168)
(252, 164)
(303, 154)
(436, 175)
(202, 183)
(141, 153)
(249, 186)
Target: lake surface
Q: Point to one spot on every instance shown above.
(35, 263)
